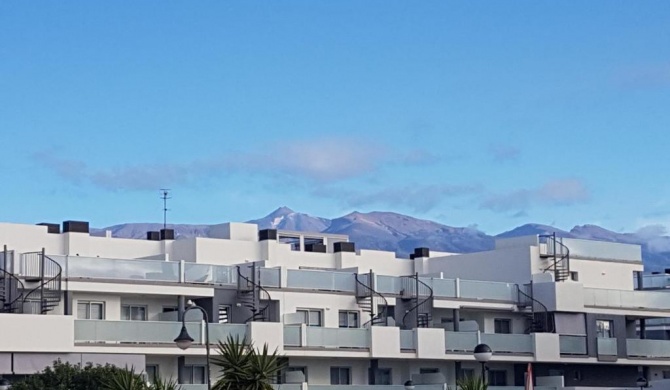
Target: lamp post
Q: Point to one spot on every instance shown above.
(483, 354)
(409, 385)
(184, 340)
(641, 382)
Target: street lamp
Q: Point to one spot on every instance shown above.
(409, 385)
(641, 382)
(184, 340)
(483, 354)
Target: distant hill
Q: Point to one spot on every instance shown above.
(402, 233)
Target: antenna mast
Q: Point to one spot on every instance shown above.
(165, 197)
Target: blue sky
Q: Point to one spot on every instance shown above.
(469, 113)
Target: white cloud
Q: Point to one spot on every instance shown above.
(560, 192)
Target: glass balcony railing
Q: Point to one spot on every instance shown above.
(509, 343)
(607, 347)
(321, 280)
(648, 348)
(460, 341)
(149, 332)
(318, 337)
(210, 274)
(626, 299)
(500, 343)
(407, 340)
(495, 291)
(101, 268)
(572, 345)
(132, 332)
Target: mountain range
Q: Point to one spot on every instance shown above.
(402, 233)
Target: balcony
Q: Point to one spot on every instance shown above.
(650, 300)
(572, 345)
(301, 336)
(149, 332)
(321, 280)
(78, 267)
(648, 349)
(465, 342)
(455, 288)
(606, 347)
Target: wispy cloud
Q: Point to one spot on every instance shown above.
(418, 198)
(502, 153)
(322, 160)
(560, 192)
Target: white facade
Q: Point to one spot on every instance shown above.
(118, 301)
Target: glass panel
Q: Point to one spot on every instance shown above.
(509, 343)
(572, 345)
(96, 267)
(314, 318)
(648, 348)
(338, 337)
(198, 374)
(604, 329)
(343, 319)
(607, 346)
(97, 312)
(334, 376)
(270, 277)
(353, 320)
(138, 313)
(321, 280)
(82, 311)
(407, 339)
(125, 313)
(292, 336)
(151, 332)
(220, 332)
(344, 376)
(494, 291)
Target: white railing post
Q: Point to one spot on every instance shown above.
(182, 271)
(457, 287)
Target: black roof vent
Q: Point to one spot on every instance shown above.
(316, 247)
(52, 228)
(267, 234)
(153, 236)
(75, 227)
(167, 234)
(344, 247)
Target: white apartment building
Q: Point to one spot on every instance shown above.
(342, 318)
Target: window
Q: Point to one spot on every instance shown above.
(574, 276)
(348, 319)
(133, 313)
(194, 375)
(666, 374)
(224, 314)
(497, 378)
(311, 317)
(429, 370)
(340, 375)
(502, 325)
(152, 372)
(604, 329)
(383, 376)
(170, 309)
(90, 310)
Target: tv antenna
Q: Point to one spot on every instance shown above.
(165, 197)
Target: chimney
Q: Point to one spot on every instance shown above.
(52, 228)
(75, 227)
(167, 234)
(153, 236)
(344, 247)
(267, 234)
